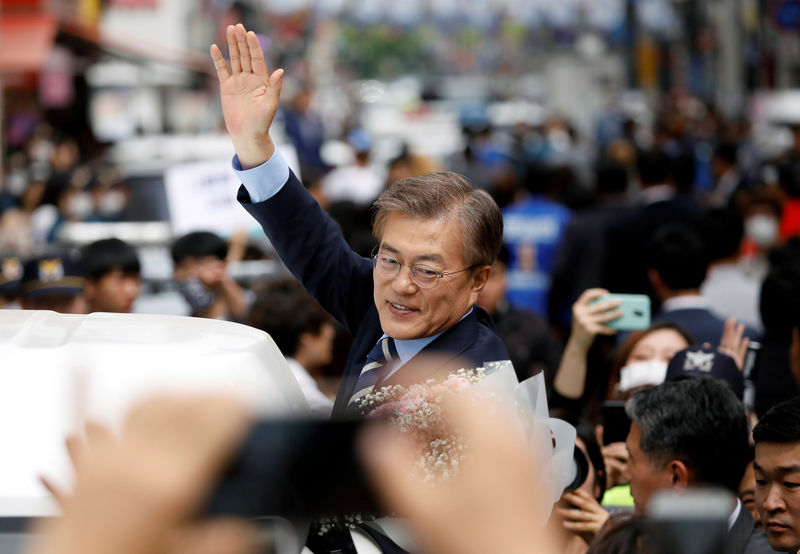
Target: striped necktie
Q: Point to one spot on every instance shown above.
(379, 360)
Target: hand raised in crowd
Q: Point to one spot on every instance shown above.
(586, 518)
(588, 318)
(733, 342)
(588, 321)
(483, 507)
(138, 495)
(249, 94)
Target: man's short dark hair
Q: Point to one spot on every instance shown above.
(722, 231)
(779, 303)
(103, 256)
(199, 244)
(697, 421)
(679, 256)
(610, 178)
(285, 310)
(781, 423)
(653, 167)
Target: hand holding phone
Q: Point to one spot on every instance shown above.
(634, 308)
(589, 317)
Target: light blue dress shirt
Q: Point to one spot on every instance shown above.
(264, 181)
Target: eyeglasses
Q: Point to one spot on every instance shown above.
(425, 277)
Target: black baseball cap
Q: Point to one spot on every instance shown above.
(57, 274)
(697, 361)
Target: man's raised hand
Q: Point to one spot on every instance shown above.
(249, 94)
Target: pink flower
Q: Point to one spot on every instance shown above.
(385, 410)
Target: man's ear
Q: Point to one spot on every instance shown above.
(681, 475)
(479, 277)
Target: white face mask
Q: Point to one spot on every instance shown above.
(80, 206)
(639, 374)
(762, 229)
(111, 203)
(42, 151)
(17, 183)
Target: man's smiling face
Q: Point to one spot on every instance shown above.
(408, 311)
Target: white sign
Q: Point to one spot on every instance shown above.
(202, 197)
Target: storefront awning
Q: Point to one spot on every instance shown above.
(133, 48)
(25, 41)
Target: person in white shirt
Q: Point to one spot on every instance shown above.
(728, 287)
(356, 182)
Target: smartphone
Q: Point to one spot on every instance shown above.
(750, 373)
(616, 423)
(635, 311)
(293, 468)
(750, 369)
(694, 521)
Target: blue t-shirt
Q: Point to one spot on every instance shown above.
(533, 230)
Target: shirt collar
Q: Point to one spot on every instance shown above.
(735, 514)
(656, 193)
(686, 302)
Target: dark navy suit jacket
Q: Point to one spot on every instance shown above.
(311, 245)
(703, 325)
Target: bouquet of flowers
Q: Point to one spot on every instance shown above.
(418, 412)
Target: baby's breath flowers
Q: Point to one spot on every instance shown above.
(417, 411)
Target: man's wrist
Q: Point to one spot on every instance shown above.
(253, 153)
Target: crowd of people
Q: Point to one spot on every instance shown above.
(685, 212)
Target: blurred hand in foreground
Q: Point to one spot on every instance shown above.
(490, 504)
(139, 494)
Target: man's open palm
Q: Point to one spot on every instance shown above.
(248, 92)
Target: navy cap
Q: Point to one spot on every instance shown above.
(10, 275)
(697, 361)
(45, 275)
